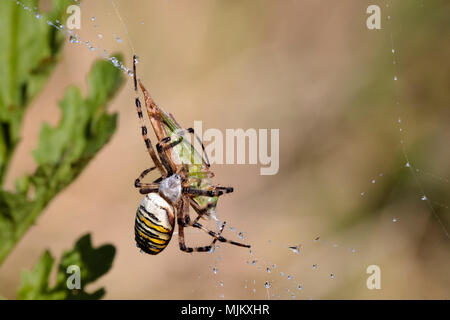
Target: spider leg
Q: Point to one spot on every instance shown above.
(158, 180)
(220, 232)
(161, 147)
(212, 233)
(199, 210)
(192, 131)
(137, 182)
(199, 192)
(224, 189)
(164, 144)
(148, 188)
(205, 158)
(147, 141)
(215, 191)
(183, 211)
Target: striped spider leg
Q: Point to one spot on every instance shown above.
(184, 220)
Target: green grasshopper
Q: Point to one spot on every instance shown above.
(185, 181)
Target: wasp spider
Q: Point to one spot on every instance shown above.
(180, 185)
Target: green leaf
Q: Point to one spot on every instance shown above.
(85, 127)
(35, 283)
(62, 153)
(92, 262)
(29, 50)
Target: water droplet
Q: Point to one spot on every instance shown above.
(353, 250)
(424, 198)
(114, 61)
(93, 19)
(100, 36)
(393, 50)
(73, 39)
(362, 194)
(373, 181)
(241, 235)
(299, 287)
(292, 296)
(274, 266)
(332, 276)
(267, 284)
(289, 277)
(268, 270)
(295, 249)
(407, 165)
(394, 220)
(118, 39)
(215, 270)
(254, 262)
(221, 283)
(395, 78)
(37, 15)
(314, 266)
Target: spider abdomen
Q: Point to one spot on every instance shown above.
(155, 220)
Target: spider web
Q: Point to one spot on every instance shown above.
(294, 279)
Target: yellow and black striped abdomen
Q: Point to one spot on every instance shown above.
(155, 220)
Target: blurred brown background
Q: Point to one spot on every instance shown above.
(310, 68)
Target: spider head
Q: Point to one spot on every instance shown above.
(170, 188)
